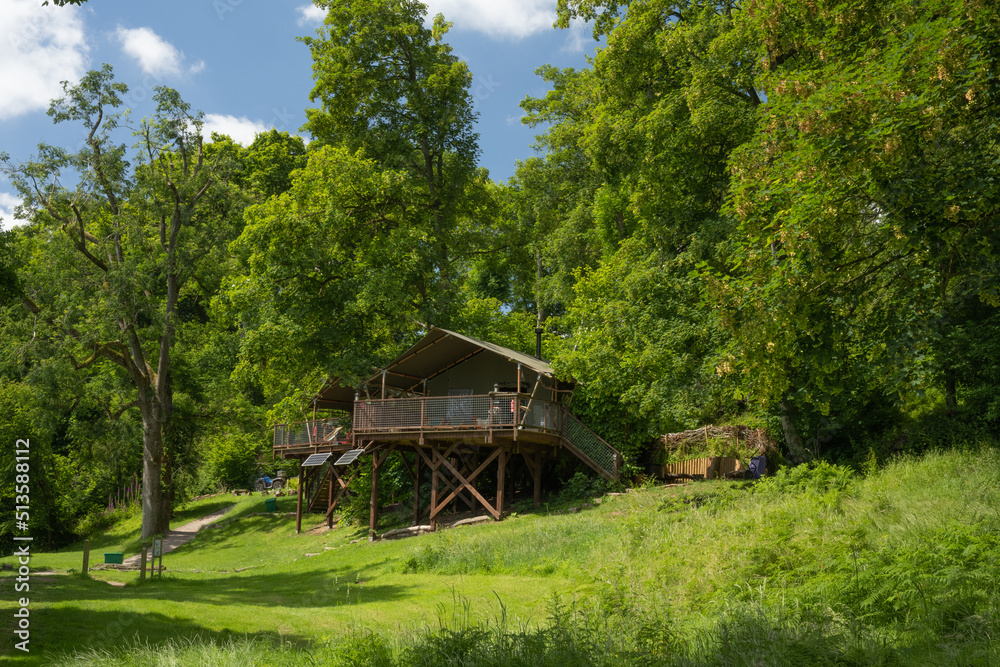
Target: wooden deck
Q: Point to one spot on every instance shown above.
(451, 439)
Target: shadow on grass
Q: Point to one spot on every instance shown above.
(329, 587)
(61, 630)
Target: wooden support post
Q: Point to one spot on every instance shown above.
(538, 479)
(416, 491)
(435, 476)
(298, 501)
(86, 558)
(373, 519)
(329, 498)
(142, 563)
(501, 474)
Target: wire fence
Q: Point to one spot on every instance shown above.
(459, 413)
(604, 456)
(309, 433)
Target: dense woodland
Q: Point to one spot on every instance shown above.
(782, 214)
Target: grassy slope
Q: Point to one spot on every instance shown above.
(822, 568)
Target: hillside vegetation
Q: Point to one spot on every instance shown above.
(816, 565)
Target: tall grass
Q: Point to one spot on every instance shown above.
(817, 565)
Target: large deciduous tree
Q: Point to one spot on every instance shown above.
(377, 228)
(127, 246)
(629, 199)
(868, 203)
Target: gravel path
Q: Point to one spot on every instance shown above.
(183, 535)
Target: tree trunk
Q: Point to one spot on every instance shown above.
(796, 449)
(155, 506)
(950, 392)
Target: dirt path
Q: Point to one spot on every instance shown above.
(183, 534)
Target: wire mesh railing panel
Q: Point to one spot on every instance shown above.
(590, 444)
(317, 431)
(436, 413)
(540, 414)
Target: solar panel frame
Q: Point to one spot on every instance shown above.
(316, 460)
(349, 456)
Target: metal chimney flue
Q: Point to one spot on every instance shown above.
(538, 343)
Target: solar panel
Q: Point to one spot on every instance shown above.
(348, 457)
(315, 460)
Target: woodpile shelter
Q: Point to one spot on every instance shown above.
(455, 410)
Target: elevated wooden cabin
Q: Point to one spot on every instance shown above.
(451, 406)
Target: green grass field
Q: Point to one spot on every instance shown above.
(814, 566)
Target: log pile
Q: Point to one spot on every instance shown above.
(754, 440)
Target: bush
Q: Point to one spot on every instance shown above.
(232, 460)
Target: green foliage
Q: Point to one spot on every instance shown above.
(867, 228)
(10, 284)
(813, 477)
(581, 487)
(232, 460)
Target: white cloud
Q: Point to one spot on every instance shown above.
(500, 19)
(242, 130)
(39, 47)
(309, 14)
(197, 67)
(579, 34)
(7, 204)
(156, 56)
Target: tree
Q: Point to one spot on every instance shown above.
(377, 230)
(129, 246)
(630, 197)
(867, 203)
(10, 284)
(390, 90)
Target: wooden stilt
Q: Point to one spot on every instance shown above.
(501, 474)
(538, 480)
(298, 501)
(534, 467)
(435, 476)
(334, 476)
(416, 491)
(373, 519)
(343, 490)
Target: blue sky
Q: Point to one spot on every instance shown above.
(238, 62)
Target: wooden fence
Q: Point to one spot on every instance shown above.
(711, 467)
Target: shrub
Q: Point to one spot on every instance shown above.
(232, 460)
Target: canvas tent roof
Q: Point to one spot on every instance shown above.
(435, 353)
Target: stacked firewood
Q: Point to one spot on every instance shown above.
(753, 440)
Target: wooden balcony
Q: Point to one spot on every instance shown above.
(446, 417)
(491, 419)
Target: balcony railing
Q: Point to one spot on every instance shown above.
(317, 431)
(461, 415)
(457, 413)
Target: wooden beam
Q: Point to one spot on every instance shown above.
(373, 514)
(447, 368)
(343, 490)
(467, 484)
(442, 479)
(416, 490)
(531, 398)
(501, 474)
(298, 502)
(435, 475)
